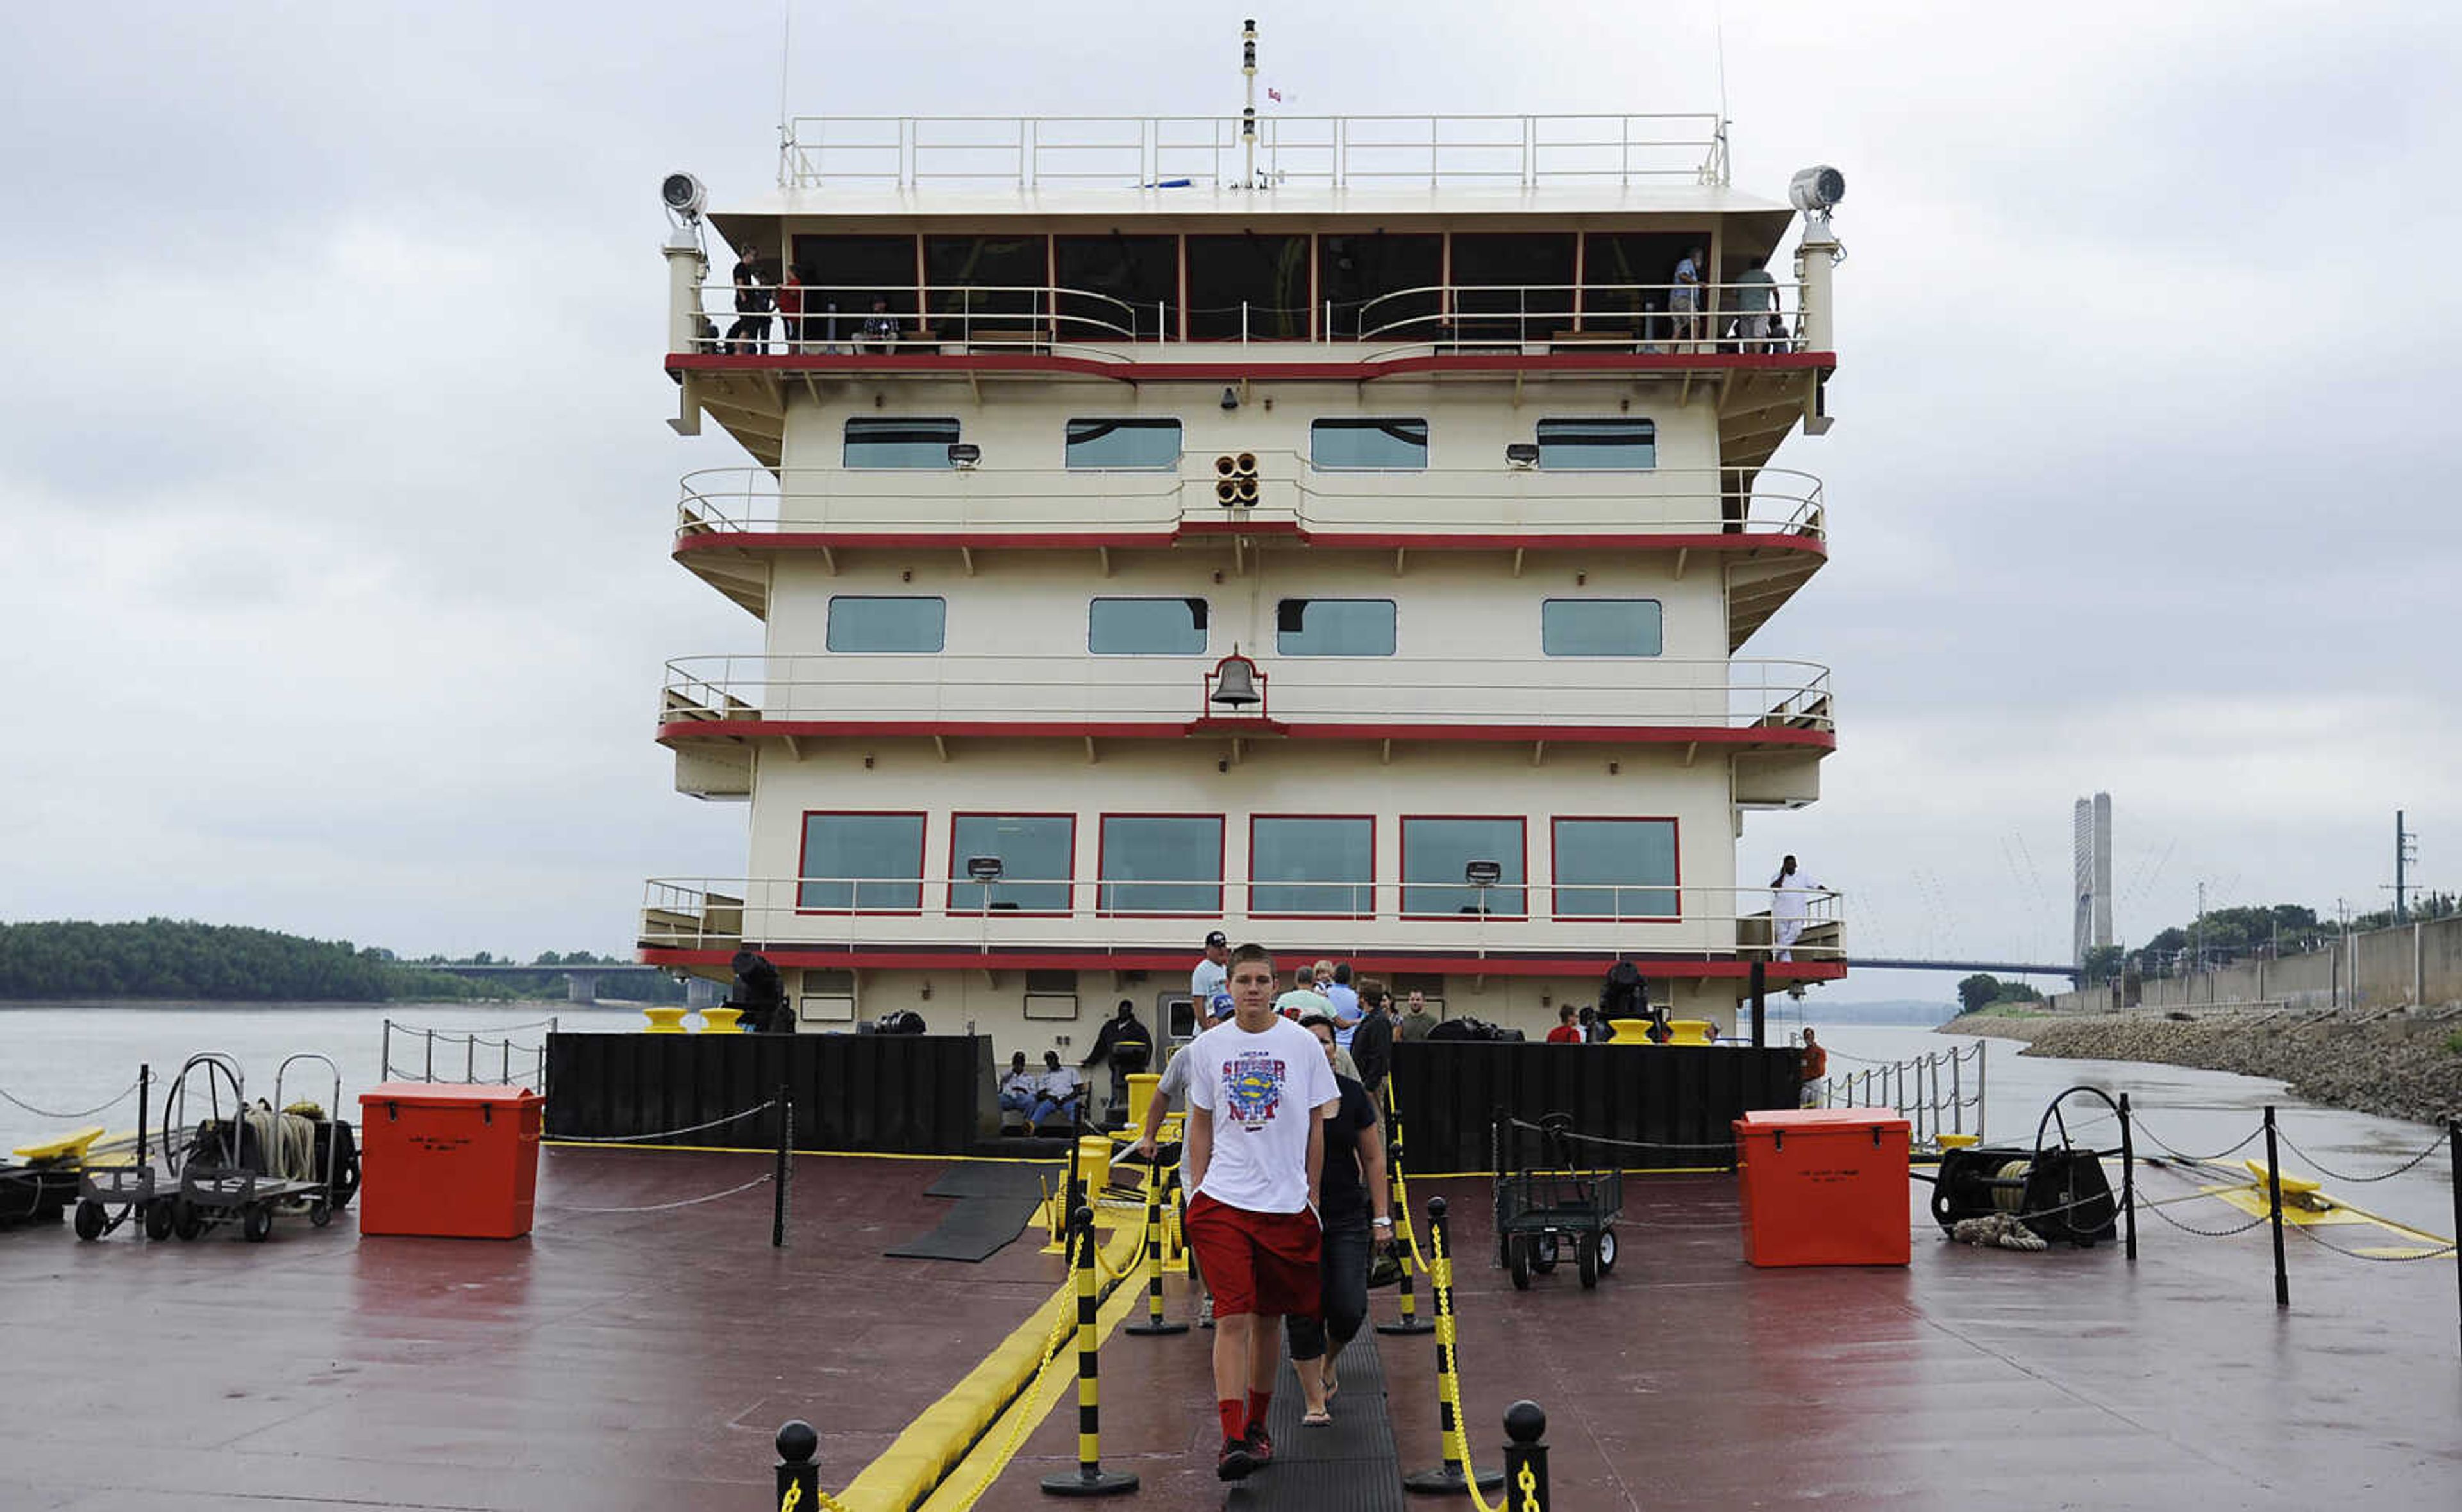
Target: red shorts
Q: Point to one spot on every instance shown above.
(1260, 1264)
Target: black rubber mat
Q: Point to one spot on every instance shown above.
(994, 1204)
(1350, 1466)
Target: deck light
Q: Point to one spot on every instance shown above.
(986, 868)
(1482, 874)
(965, 456)
(1521, 454)
(1816, 190)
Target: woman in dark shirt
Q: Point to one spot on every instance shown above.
(1353, 1185)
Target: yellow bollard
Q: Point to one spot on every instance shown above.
(722, 1021)
(1141, 1095)
(1095, 1164)
(1629, 1031)
(664, 1020)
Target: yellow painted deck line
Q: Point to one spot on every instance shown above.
(916, 1464)
(2252, 1201)
(990, 1455)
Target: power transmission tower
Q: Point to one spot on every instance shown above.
(2406, 850)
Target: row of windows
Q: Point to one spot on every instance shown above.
(1302, 866)
(1604, 443)
(1303, 627)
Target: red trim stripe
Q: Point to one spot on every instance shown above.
(1220, 369)
(1276, 530)
(1162, 730)
(868, 958)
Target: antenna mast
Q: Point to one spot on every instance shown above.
(786, 51)
(1248, 115)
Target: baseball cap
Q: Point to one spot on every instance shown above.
(1220, 1005)
(1316, 1015)
(1217, 937)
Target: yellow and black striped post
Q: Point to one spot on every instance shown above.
(1090, 1479)
(1153, 1322)
(1525, 1457)
(1447, 1477)
(1411, 1321)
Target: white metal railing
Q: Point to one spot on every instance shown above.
(1147, 914)
(1164, 152)
(1742, 693)
(748, 320)
(1932, 1091)
(1465, 501)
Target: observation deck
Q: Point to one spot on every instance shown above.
(1768, 535)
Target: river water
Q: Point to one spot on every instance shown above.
(66, 1058)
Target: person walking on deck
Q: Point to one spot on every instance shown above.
(1258, 1094)
(1353, 1185)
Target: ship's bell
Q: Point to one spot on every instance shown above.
(1235, 682)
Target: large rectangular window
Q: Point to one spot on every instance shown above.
(859, 623)
(1318, 864)
(1037, 852)
(862, 863)
(1608, 444)
(1601, 627)
(1115, 287)
(1368, 445)
(1437, 855)
(898, 441)
(1146, 627)
(1123, 446)
(1335, 627)
(1616, 869)
(1382, 284)
(1161, 864)
(1250, 285)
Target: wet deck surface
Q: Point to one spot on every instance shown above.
(642, 1361)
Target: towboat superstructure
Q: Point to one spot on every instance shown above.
(1352, 536)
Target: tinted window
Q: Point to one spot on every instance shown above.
(1146, 627)
(1313, 866)
(898, 443)
(1435, 852)
(1335, 627)
(847, 856)
(1376, 444)
(1607, 444)
(888, 624)
(1124, 443)
(1035, 852)
(1616, 869)
(1162, 865)
(1263, 280)
(1381, 282)
(1600, 627)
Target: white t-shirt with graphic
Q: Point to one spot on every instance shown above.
(1263, 1089)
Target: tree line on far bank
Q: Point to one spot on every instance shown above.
(2222, 936)
(181, 959)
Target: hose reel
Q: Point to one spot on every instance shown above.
(2056, 1189)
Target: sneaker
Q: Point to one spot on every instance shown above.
(1260, 1445)
(1206, 1313)
(1236, 1462)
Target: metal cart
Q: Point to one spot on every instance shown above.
(1540, 1211)
(235, 1179)
(111, 1194)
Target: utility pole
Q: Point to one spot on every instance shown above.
(2198, 936)
(2406, 849)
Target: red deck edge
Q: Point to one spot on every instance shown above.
(685, 544)
(1132, 370)
(1161, 729)
(875, 958)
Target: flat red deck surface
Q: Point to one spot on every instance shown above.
(642, 1361)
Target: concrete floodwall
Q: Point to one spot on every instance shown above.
(2410, 964)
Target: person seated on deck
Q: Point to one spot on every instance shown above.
(1058, 1090)
(1019, 1088)
(758, 995)
(879, 334)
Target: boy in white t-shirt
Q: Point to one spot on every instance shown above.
(1259, 1093)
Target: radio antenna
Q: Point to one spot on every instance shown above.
(786, 52)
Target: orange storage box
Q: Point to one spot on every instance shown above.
(1824, 1187)
(447, 1161)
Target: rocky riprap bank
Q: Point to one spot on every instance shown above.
(2397, 1063)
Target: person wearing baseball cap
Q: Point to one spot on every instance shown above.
(1212, 976)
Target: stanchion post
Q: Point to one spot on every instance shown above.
(1154, 1321)
(146, 1089)
(2274, 1210)
(1090, 1479)
(785, 1172)
(1411, 1321)
(798, 1477)
(1446, 1478)
(2129, 1177)
(1525, 1459)
(2453, 1175)
(1761, 1006)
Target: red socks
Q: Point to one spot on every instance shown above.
(1258, 1402)
(1234, 1425)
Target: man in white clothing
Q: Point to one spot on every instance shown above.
(1211, 977)
(1791, 895)
(1259, 1093)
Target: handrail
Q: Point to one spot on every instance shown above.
(1926, 1103)
(1456, 306)
(1604, 692)
(743, 500)
(1090, 913)
(1160, 153)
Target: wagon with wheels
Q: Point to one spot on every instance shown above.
(1543, 1210)
(143, 1187)
(275, 1160)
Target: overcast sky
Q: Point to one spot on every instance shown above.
(337, 495)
